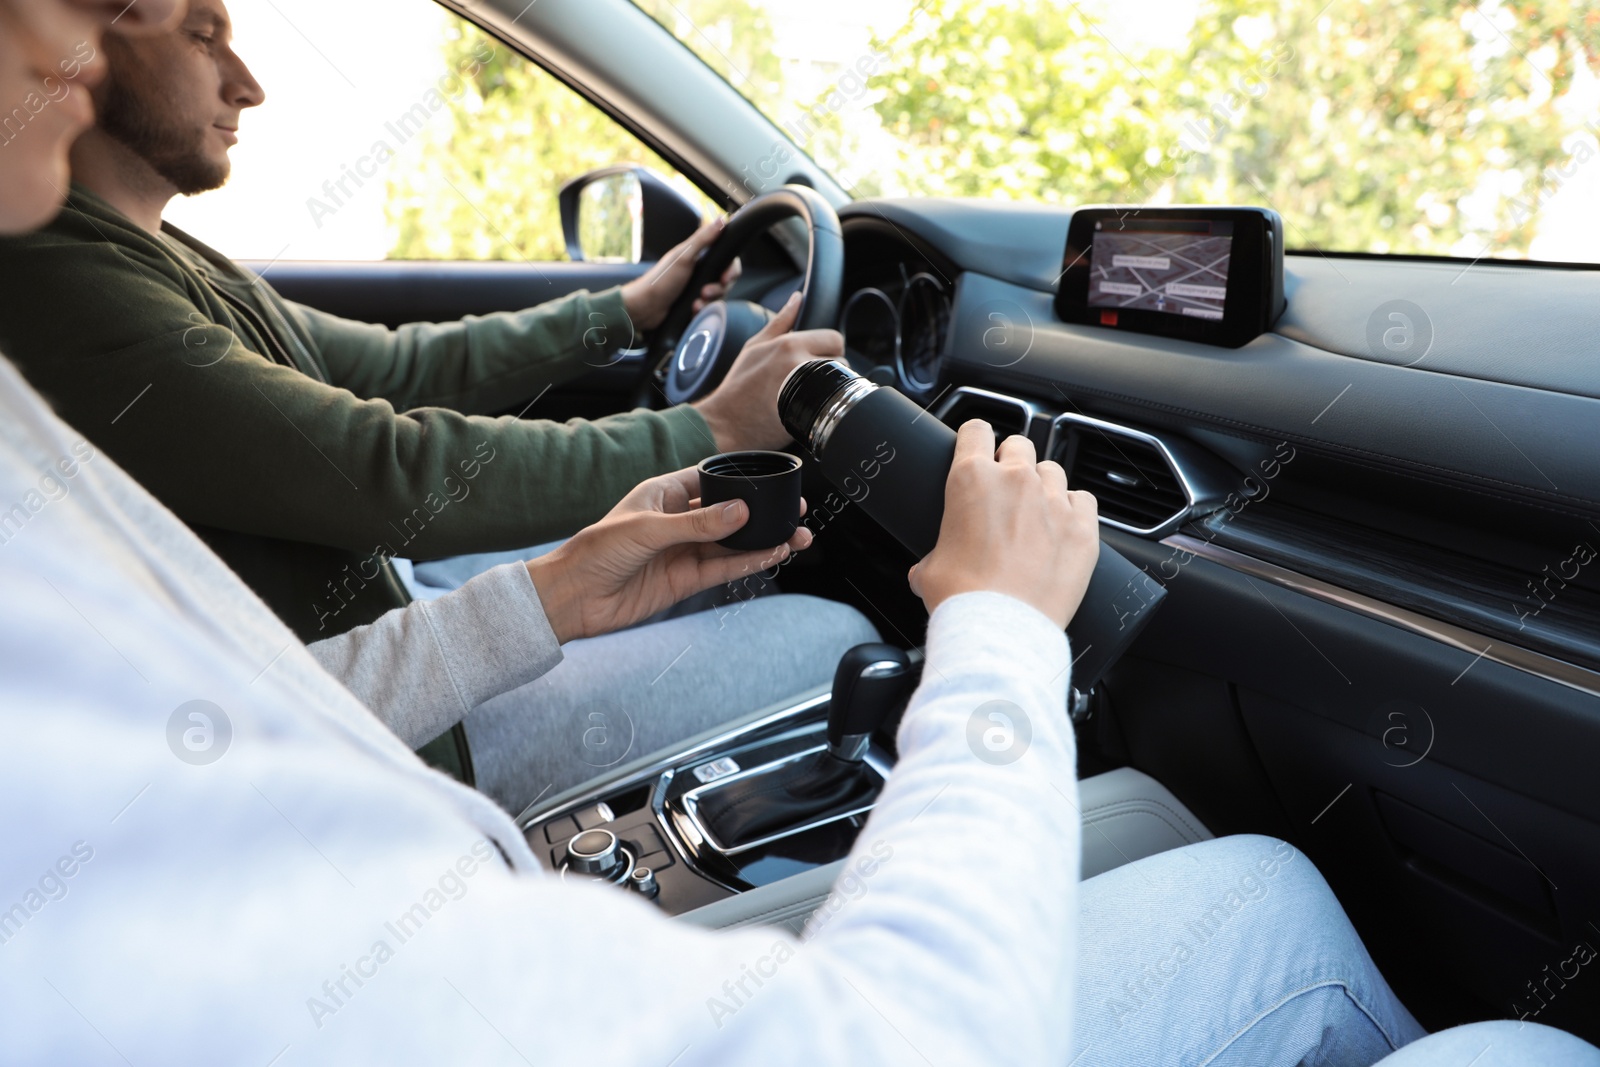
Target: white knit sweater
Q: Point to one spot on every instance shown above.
(317, 895)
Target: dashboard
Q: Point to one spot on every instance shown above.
(1353, 533)
(1507, 345)
(1439, 478)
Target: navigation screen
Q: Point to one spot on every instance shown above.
(1176, 266)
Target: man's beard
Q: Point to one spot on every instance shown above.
(177, 154)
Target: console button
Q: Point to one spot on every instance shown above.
(718, 768)
(593, 816)
(656, 860)
(556, 831)
(645, 836)
(643, 882)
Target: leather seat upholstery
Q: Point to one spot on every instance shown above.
(1127, 815)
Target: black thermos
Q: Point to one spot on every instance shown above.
(893, 457)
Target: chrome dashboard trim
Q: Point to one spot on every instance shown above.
(622, 872)
(691, 810)
(1507, 655)
(942, 291)
(852, 747)
(873, 292)
(1187, 481)
(1030, 410)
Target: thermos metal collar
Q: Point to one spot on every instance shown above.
(834, 411)
(815, 397)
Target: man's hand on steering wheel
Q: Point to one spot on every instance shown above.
(649, 297)
(743, 411)
(698, 342)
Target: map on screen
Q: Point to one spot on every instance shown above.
(1176, 273)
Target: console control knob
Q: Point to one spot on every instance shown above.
(643, 879)
(595, 852)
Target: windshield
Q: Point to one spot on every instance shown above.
(1385, 126)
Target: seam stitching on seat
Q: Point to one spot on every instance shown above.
(1146, 800)
(810, 903)
(1144, 813)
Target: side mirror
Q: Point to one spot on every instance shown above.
(624, 214)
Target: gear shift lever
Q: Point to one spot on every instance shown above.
(869, 683)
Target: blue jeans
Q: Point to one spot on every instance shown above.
(435, 578)
(629, 693)
(1235, 953)
(1497, 1043)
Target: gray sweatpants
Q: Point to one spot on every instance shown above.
(629, 693)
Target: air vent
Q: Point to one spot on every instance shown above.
(1006, 414)
(1131, 473)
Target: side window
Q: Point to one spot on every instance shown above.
(432, 140)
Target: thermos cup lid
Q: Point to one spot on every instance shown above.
(768, 482)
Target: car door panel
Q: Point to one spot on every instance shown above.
(1449, 799)
(393, 293)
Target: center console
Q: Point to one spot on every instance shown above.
(749, 824)
(777, 796)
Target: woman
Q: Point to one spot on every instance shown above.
(49, 60)
(195, 903)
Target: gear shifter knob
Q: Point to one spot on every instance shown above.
(870, 682)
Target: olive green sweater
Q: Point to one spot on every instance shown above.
(308, 449)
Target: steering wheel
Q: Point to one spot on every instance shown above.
(690, 353)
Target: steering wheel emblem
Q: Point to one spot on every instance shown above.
(692, 354)
(681, 362)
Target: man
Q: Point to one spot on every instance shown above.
(199, 923)
(308, 450)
